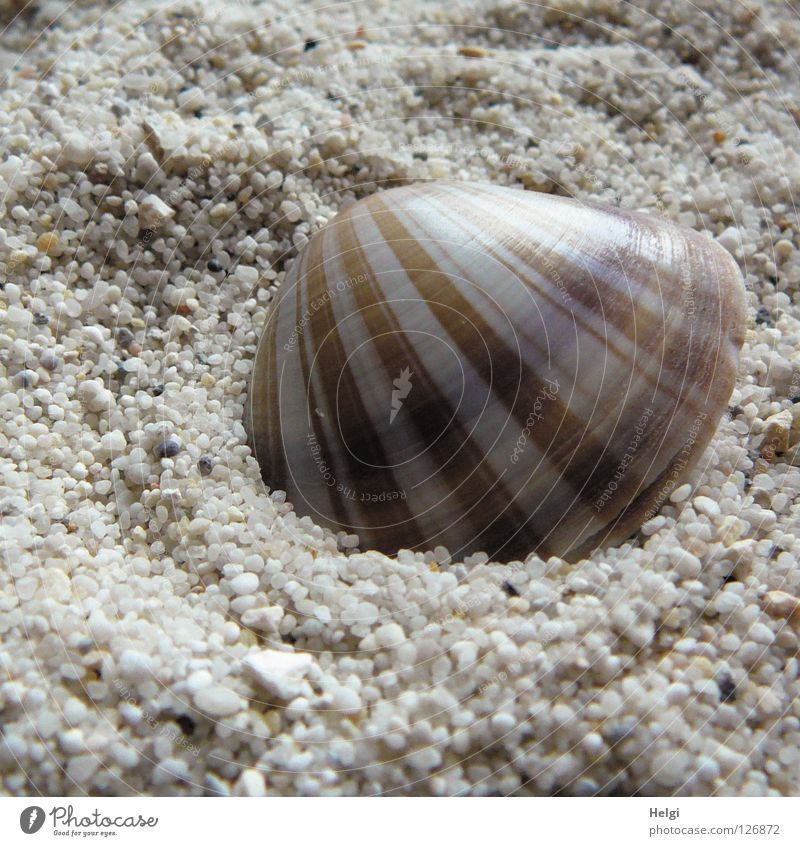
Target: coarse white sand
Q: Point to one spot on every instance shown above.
(167, 626)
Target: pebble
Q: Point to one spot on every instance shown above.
(49, 243)
(124, 337)
(281, 674)
(251, 783)
(779, 603)
(248, 275)
(77, 149)
(135, 666)
(346, 700)
(137, 473)
(113, 442)
(777, 428)
(728, 759)
(153, 211)
(681, 493)
(650, 527)
(95, 396)
(730, 239)
(169, 771)
(291, 210)
(670, 769)
(82, 767)
(27, 378)
(167, 449)
(593, 743)
(266, 619)
(334, 144)
(73, 210)
(49, 360)
(95, 335)
(274, 180)
(217, 701)
(75, 711)
(706, 505)
(503, 723)
(191, 99)
(244, 584)
(687, 565)
(390, 635)
(760, 633)
(472, 52)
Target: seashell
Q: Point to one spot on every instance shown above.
(491, 369)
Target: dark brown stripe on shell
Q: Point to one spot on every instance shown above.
(617, 319)
(585, 465)
(334, 374)
(482, 488)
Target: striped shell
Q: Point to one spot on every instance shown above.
(491, 369)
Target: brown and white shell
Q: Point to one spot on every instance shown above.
(491, 369)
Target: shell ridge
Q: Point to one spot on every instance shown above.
(479, 460)
(555, 470)
(430, 247)
(356, 263)
(553, 439)
(341, 373)
(623, 357)
(594, 481)
(426, 244)
(313, 271)
(561, 472)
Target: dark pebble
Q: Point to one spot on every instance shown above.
(618, 732)
(214, 266)
(421, 155)
(124, 337)
(310, 44)
(205, 464)
(157, 390)
(763, 316)
(24, 378)
(168, 448)
(50, 361)
(185, 723)
(727, 688)
(40, 319)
